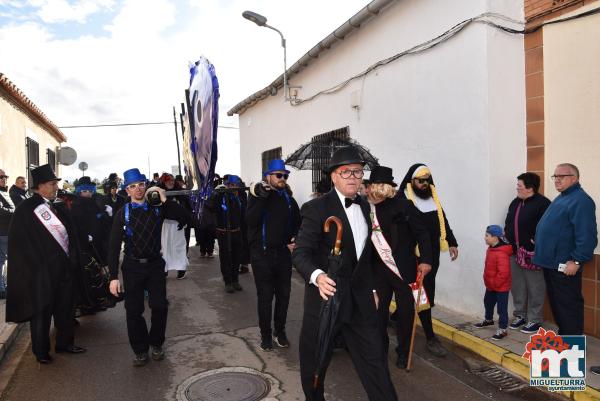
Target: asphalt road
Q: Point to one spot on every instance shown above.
(209, 329)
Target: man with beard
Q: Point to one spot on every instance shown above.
(42, 258)
(273, 219)
(418, 187)
(18, 192)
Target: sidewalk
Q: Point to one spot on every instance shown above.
(458, 328)
(8, 331)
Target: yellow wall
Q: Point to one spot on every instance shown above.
(572, 99)
(15, 126)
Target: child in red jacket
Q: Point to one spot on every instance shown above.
(497, 280)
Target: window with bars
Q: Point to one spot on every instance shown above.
(33, 156)
(269, 155)
(323, 146)
(51, 158)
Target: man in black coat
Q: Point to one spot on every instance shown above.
(42, 259)
(18, 192)
(357, 320)
(273, 219)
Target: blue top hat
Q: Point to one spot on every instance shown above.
(276, 165)
(132, 176)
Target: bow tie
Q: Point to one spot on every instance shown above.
(139, 205)
(348, 202)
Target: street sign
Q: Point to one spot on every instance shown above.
(67, 156)
(83, 166)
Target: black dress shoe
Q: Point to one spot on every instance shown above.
(44, 359)
(70, 349)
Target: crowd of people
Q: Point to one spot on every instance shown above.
(392, 236)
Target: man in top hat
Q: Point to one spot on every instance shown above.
(42, 260)
(139, 225)
(419, 188)
(273, 219)
(357, 318)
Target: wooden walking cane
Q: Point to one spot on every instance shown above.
(414, 327)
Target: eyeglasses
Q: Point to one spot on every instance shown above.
(422, 180)
(559, 177)
(281, 175)
(137, 185)
(345, 174)
(2, 177)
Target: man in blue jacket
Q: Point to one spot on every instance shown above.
(565, 240)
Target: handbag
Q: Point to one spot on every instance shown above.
(524, 258)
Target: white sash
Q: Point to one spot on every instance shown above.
(54, 226)
(380, 243)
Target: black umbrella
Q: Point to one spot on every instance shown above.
(330, 308)
(317, 154)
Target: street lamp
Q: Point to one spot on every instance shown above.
(262, 21)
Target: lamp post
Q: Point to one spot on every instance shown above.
(262, 21)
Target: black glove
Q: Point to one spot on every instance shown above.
(260, 189)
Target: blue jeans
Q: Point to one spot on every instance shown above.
(3, 250)
(493, 298)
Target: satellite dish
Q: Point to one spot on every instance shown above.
(67, 156)
(83, 166)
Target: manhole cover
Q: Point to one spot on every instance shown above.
(222, 385)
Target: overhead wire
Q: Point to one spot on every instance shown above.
(131, 124)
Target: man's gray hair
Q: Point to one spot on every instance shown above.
(573, 168)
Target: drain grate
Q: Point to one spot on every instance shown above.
(501, 378)
(227, 386)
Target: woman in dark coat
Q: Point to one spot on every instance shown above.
(403, 228)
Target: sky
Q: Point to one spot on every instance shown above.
(89, 62)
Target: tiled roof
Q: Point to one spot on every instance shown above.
(16, 95)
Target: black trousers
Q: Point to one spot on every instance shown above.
(566, 300)
(230, 248)
(364, 344)
(429, 286)
(272, 271)
(205, 238)
(62, 311)
(405, 313)
(138, 277)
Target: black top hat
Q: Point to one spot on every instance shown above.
(43, 174)
(85, 180)
(344, 156)
(382, 175)
(113, 177)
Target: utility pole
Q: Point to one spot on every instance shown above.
(177, 140)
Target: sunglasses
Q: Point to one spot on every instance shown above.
(136, 186)
(422, 180)
(280, 176)
(3, 177)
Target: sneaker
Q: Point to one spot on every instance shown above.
(531, 328)
(435, 347)
(517, 322)
(281, 340)
(500, 334)
(266, 344)
(180, 274)
(595, 370)
(237, 286)
(157, 353)
(140, 359)
(229, 288)
(483, 324)
(244, 269)
(210, 255)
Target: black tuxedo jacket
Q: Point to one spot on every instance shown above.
(313, 247)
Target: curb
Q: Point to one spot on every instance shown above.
(507, 359)
(8, 333)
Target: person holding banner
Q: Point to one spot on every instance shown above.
(397, 228)
(42, 261)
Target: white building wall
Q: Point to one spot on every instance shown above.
(458, 108)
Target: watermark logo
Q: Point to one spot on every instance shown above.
(556, 362)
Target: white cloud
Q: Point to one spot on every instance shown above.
(57, 11)
(140, 71)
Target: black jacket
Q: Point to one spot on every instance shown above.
(36, 262)
(17, 195)
(227, 210)
(115, 204)
(532, 210)
(281, 220)
(403, 227)
(313, 247)
(7, 209)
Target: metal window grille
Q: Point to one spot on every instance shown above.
(322, 152)
(33, 156)
(269, 155)
(51, 158)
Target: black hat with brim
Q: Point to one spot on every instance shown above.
(382, 175)
(43, 174)
(344, 156)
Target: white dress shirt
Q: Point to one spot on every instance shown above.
(359, 228)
